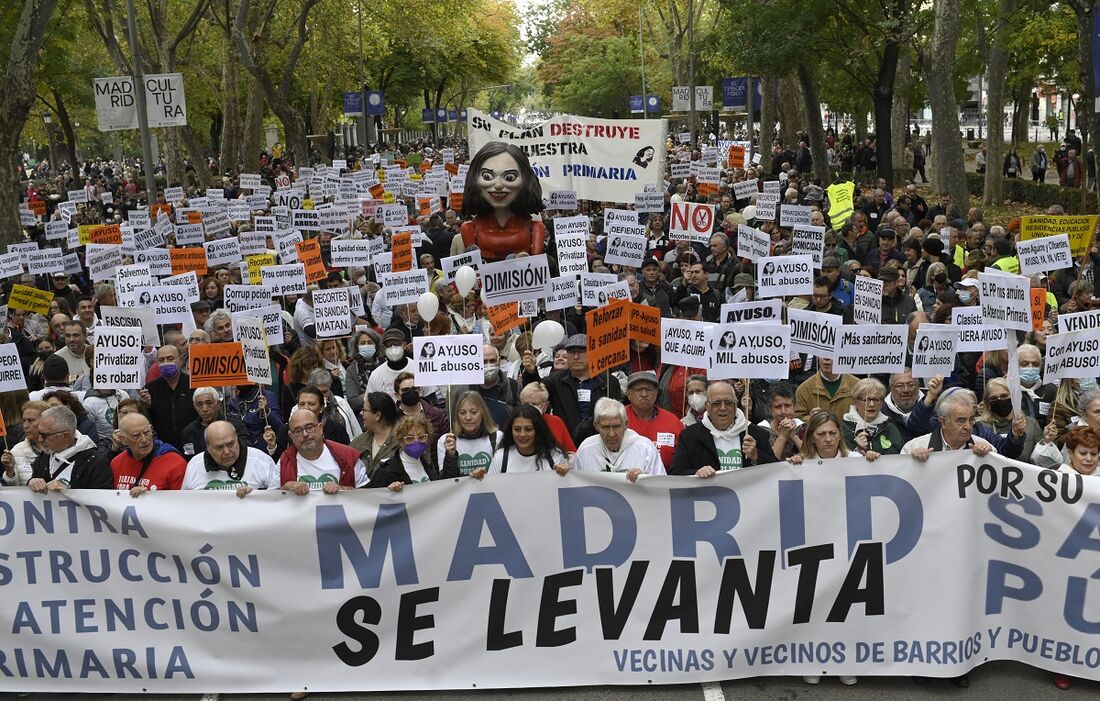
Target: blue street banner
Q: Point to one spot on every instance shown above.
(353, 104)
(441, 115)
(376, 103)
(733, 94)
(452, 115)
(637, 104)
(653, 104)
(427, 116)
(834, 567)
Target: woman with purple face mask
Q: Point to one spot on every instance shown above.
(414, 462)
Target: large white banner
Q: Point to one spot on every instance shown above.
(535, 580)
(599, 159)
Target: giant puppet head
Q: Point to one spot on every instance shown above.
(501, 193)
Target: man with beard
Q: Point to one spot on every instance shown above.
(904, 395)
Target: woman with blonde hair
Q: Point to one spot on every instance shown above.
(17, 461)
(474, 437)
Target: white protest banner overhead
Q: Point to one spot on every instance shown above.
(751, 351)
(785, 275)
(605, 160)
(867, 303)
(126, 317)
(514, 280)
(871, 349)
(916, 570)
(1006, 301)
(571, 240)
(934, 350)
(974, 335)
(119, 361)
(744, 189)
(1044, 255)
(753, 243)
(814, 332)
(448, 360)
(686, 343)
(769, 310)
(615, 290)
(332, 312)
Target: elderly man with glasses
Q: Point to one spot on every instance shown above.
(69, 459)
(719, 442)
(147, 464)
(311, 463)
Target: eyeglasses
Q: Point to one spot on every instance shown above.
(644, 390)
(721, 402)
(410, 439)
(303, 430)
(44, 434)
(869, 400)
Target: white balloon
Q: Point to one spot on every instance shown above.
(428, 306)
(749, 212)
(547, 334)
(465, 279)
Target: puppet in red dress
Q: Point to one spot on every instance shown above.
(502, 192)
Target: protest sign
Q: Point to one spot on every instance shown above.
(691, 222)
(867, 304)
(649, 202)
(382, 263)
(618, 217)
(504, 317)
(282, 280)
(170, 304)
(270, 316)
(1038, 297)
(809, 240)
(571, 240)
(561, 292)
(974, 335)
(814, 333)
(1079, 229)
(752, 243)
(187, 260)
(751, 351)
(1045, 254)
(188, 282)
(766, 203)
(626, 249)
(332, 313)
(249, 332)
(223, 251)
(255, 265)
(686, 343)
(309, 255)
(785, 275)
(934, 350)
(562, 201)
(514, 280)
(872, 349)
(591, 284)
(11, 265)
(241, 297)
(605, 160)
(30, 299)
(1078, 321)
(614, 291)
(11, 369)
(402, 249)
(132, 317)
(190, 235)
(45, 261)
(403, 288)
(448, 360)
(57, 230)
(217, 364)
(1073, 354)
(608, 331)
(348, 252)
(791, 215)
(745, 189)
(119, 361)
(157, 260)
(763, 311)
(645, 323)
(1005, 300)
(451, 264)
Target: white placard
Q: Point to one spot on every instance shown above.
(686, 343)
(158, 260)
(126, 317)
(238, 298)
(11, 264)
(1074, 354)
(514, 280)
(741, 312)
(752, 243)
(1044, 254)
(591, 284)
(119, 362)
(130, 277)
(616, 290)
(780, 276)
(753, 351)
(102, 260)
(57, 230)
(272, 320)
(251, 181)
(11, 369)
(1006, 301)
(332, 313)
(392, 215)
(794, 214)
(975, 336)
(190, 234)
(809, 240)
(347, 252)
(611, 217)
(571, 238)
(766, 204)
(249, 330)
(1079, 320)
(222, 251)
(649, 202)
(746, 189)
(451, 264)
(626, 248)
(562, 201)
(691, 222)
(403, 288)
(45, 261)
(562, 293)
(934, 350)
(867, 300)
(872, 349)
(282, 280)
(814, 333)
(448, 360)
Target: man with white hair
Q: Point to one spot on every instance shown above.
(227, 463)
(208, 405)
(616, 448)
(924, 421)
(956, 412)
(69, 459)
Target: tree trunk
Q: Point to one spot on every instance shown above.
(948, 171)
(768, 108)
(815, 128)
(998, 68)
(294, 133)
(171, 152)
(194, 151)
(899, 115)
(229, 150)
(1022, 116)
(1086, 117)
(788, 111)
(859, 125)
(16, 98)
(66, 124)
(883, 100)
(252, 139)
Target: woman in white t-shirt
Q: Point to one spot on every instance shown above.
(528, 446)
(472, 446)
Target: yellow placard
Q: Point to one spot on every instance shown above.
(1079, 228)
(256, 263)
(30, 299)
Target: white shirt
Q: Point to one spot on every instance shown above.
(325, 469)
(473, 453)
(260, 472)
(635, 452)
(303, 317)
(523, 463)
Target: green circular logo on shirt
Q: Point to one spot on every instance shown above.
(729, 459)
(469, 463)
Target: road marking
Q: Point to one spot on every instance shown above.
(712, 691)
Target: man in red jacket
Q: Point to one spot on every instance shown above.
(312, 463)
(147, 464)
(649, 420)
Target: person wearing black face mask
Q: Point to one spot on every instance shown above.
(410, 404)
(995, 412)
(44, 348)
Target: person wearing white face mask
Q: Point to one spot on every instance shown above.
(383, 375)
(1038, 398)
(696, 389)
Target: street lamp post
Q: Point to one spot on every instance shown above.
(48, 121)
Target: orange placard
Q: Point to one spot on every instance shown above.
(401, 244)
(309, 254)
(377, 190)
(425, 205)
(608, 337)
(737, 157)
(106, 233)
(186, 260)
(645, 324)
(707, 188)
(217, 364)
(157, 209)
(451, 168)
(454, 201)
(505, 317)
(1038, 307)
(39, 208)
(194, 217)
(3, 426)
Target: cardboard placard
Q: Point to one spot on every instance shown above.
(217, 364)
(30, 299)
(449, 360)
(402, 248)
(119, 361)
(608, 333)
(186, 260)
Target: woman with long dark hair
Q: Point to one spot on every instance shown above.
(528, 445)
